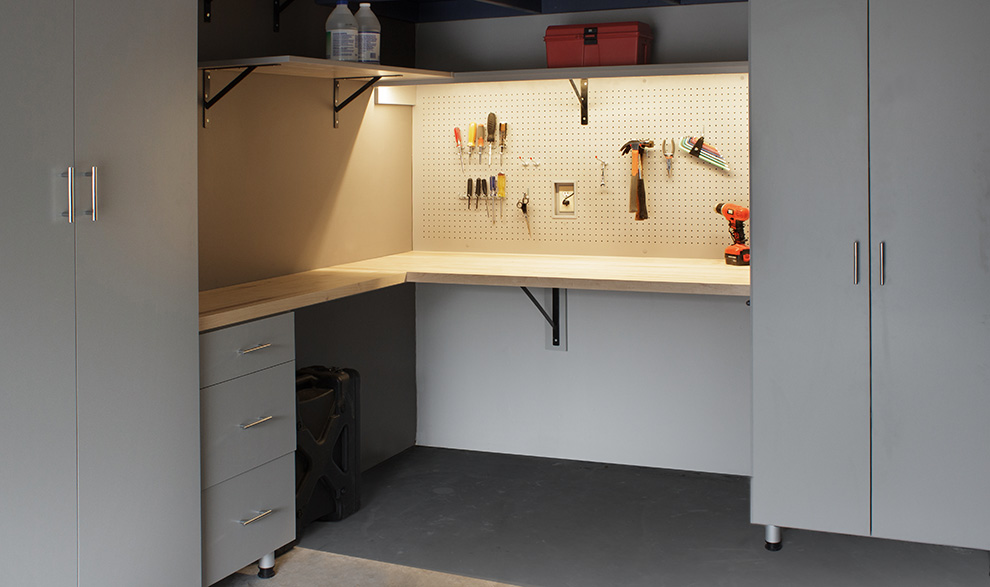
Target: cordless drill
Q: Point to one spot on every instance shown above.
(738, 252)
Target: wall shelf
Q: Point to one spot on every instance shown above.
(570, 73)
(296, 66)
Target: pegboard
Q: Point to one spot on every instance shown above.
(544, 127)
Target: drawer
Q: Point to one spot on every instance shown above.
(247, 421)
(245, 348)
(228, 543)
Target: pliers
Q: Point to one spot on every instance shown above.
(669, 156)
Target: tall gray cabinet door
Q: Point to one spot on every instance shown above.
(930, 192)
(809, 170)
(139, 490)
(37, 329)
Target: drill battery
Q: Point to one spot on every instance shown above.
(737, 255)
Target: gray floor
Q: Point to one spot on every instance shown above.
(552, 523)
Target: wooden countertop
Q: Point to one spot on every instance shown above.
(238, 303)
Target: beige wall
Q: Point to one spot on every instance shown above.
(282, 191)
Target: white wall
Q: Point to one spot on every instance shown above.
(657, 380)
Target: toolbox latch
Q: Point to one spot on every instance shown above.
(591, 35)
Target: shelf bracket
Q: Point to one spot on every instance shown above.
(553, 317)
(338, 105)
(208, 102)
(582, 96)
(207, 10)
(280, 5)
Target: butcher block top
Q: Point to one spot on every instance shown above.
(248, 301)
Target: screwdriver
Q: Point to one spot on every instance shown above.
(501, 194)
(484, 190)
(460, 152)
(472, 130)
(480, 141)
(494, 193)
(470, 186)
(502, 129)
(478, 184)
(492, 126)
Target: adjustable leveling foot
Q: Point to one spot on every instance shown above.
(773, 538)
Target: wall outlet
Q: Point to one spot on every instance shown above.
(563, 199)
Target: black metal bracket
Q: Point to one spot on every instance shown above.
(280, 5)
(553, 318)
(337, 105)
(582, 96)
(207, 10)
(208, 102)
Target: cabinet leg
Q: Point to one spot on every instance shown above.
(266, 566)
(773, 538)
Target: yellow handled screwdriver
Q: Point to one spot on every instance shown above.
(472, 132)
(501, 194)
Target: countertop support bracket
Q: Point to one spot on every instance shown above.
(280, 5)
(553, 317)
(338, 105)
(582, 96)
(208, 102)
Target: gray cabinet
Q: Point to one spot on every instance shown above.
(248, 440)
(870, 279)
(99, 316)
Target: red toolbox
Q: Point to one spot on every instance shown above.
(611, 43)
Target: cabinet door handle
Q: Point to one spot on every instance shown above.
(254, 348)
(70, 214)
(855, 262)
(95, 185)
(256, 518)
(256, 422)
(883, 262)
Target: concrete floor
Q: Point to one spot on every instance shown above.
(550, 523)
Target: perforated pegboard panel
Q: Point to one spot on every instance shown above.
(544, 124)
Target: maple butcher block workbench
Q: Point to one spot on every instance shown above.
(248, 301)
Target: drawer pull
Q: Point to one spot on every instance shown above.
(256, 518)
(255, 423)
(254, 348)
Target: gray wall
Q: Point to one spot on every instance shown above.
(656, 380)
(681, 34)
(375, 334)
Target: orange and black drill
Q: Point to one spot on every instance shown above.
(738, 252)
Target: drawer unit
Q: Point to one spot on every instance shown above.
(246, 422)
(245, 348)
(248, 516)
(248, 435)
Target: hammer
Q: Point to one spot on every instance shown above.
(637, 189)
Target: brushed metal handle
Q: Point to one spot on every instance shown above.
(883, 263)
(256, 518)
(254, 348)
(70, 214)
(855, 262)
(256, 422)
(95, 185)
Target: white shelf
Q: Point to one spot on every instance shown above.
(324, 68)
(564, 73)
